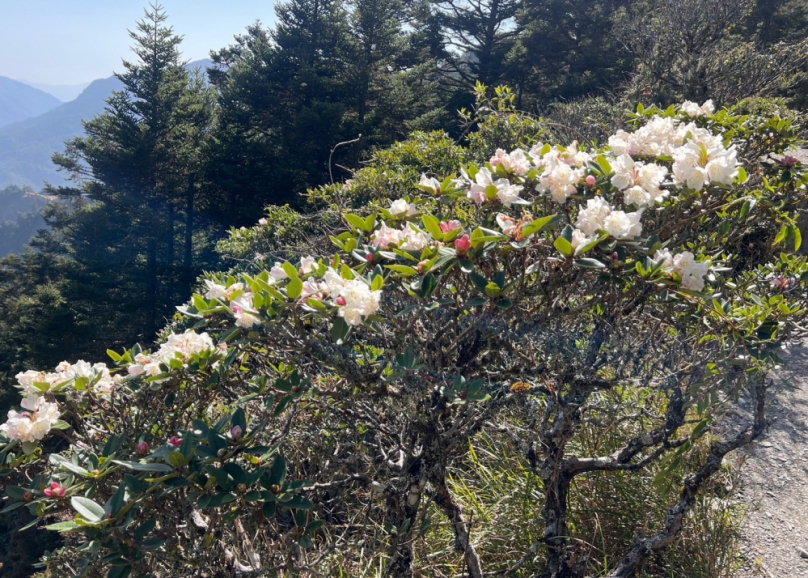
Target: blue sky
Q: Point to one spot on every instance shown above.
(76, 41)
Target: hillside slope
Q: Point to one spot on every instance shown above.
(18, 101)
(26, 147)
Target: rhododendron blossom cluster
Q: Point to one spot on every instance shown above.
(34, 424)
(176, 347)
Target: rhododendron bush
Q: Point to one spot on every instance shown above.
(305, 411)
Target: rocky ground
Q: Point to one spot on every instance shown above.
(775, 481)
(774, 476)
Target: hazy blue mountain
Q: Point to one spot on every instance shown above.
(26, 147)
(64, 92)
(19, 101)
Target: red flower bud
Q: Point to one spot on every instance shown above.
(175, 441)
(142, 448)
(341, 301)
(463, 245)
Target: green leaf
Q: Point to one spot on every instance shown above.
(299, 503)
(604, 164)
(239, 418)
(139, 467)
(539, 225)
(314, 526)
(339, 331)
(290, 269)
(403, 270)
(564, 247)
(145, 529)
(370, 222)
(479, 281)
(115, 502)
(277, 473)
(432, 225)
(378, 283)
(295, 288)
(176, 459)
(588, 263)
(492, 290)
(88, 509)
(63, 526)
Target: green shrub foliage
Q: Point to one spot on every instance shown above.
(596, 312)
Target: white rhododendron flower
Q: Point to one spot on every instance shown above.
(508, 193)
(385, 236)
(399, 206)
(214, 290)
(333, 281)
(180, 346)
(559, 179)
(640, 182)
(579, 239)
(664, 257)
(313, 288)
(244, 312)
(599, 215)
(430, 182)
(408, 238)
(696, 165)
(31, 425)
(307, 265)
(622, 225)
(414, 240)
(590, 219)
(691, 271)
(516, 161)
(693, 110)
(360, 301)
(277, 272)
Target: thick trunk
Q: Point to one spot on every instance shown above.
(188, 260)
(151, 285)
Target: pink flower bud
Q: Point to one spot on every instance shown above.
(56, 490)
(142, 448)
(262, 222)
(615, 256)
(463, 245)
(369, 257)
(175, 441)
(789, 162)
(235, 433)
(590, 180)
(341, 301)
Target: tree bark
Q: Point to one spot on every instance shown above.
(188, 260)
(454, 511)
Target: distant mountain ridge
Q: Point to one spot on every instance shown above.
(26, 147)
(64, 92)
(19, 101)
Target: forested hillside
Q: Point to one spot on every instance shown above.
(159, 163)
